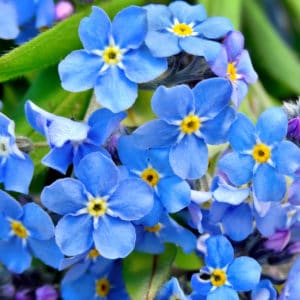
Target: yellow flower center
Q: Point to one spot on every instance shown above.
(93, 253)
(261, 153)
(154, 228)
(112, 55)
(18, 229)
(218, 277)
(102, 287)
(182, 29)
(97, 207)
(151, 176)
(190, 124)
(231, 72)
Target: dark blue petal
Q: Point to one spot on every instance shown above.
(189, 158)
(38, 222)
(114, 238)
(59, 158)
(140, 66)
(8, 21)
(215, 131)
(64, 196)
(186, 13)
(162, 44)
(242, 134)
(45, 13)
(173, 104)
(244, 273)
(219, 252)
(18, 173)
(201, 47)
(238, 168)
(174, 193)
(238, 222)
(9, 206)
(74, 234)
(214, 27)
(126, 203)
(47, 251)
(14, 255)
(136, 18)
(74, 77)
(114, 90)
(25, 10)
(271, 125)
(94, 30)
(268, 184)
(212, 96)
(98, 173)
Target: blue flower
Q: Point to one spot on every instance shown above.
(25, 232)
(114, 58)
(97, 208)
(188, 120)
(151, 239)
(152, 165)
(183, 27)
(22, 20)
(224, 276)
(16, 167)
(171, 290)
(71, 140)
(100, 284)
(261, 154)
(233, 62)
(264, 291)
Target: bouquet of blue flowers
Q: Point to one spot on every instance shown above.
(141, 158)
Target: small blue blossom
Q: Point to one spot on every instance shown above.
(25, 232)
(189, 118)
(233, 62)
(152, 165)
(264, 291)
(71, 140)
(184, 27)
(16, 167)
(171, 290)
(224, 276)
(115, 58)
(97, 208)
(260, 154)
(100, 284)
(22, 20)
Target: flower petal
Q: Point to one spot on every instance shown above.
(140, 66)
(186, 13)
(74, 77)
(234, 44)
(223, 292)
(244, 273)
(114, 238)
(133, 37)
(114, 90)
(64, 196)
(94, 30)
(9, 28)
(189, 158)
(126, 203)
(74, 234)
(9, 206)
(272, 125)
(98, 173)
(245, 68)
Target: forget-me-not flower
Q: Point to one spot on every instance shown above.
(189, 119)
(184, 27)
(16, 167)
(261, 154)
(114, 59)
(171, 290)
(25, 232)
(71, 140)
(224, 276)
(98, 208)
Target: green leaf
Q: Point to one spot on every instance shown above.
(51, 46)
(188, 262)
(144, 273)
(271, 56)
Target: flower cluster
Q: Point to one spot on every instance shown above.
(123, 192)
